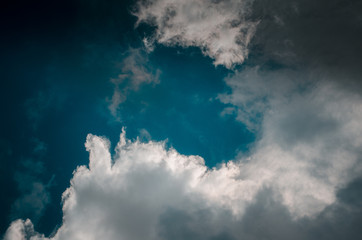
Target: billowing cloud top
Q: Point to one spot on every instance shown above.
(132, 195)
(219, 28)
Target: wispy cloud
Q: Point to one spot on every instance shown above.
(135, 72)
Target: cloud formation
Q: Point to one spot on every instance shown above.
(220, 28)
(135, 73)
(301, 179)
(296, 96)
(148, 191)
(300, 94)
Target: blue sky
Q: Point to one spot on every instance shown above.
(249, 110)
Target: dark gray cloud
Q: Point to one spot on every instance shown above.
(323, 36)
(268, 219)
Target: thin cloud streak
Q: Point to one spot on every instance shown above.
(135, 73)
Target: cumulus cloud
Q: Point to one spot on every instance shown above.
(21, 230)
(148, 191)
(135, 73)
(220, 28)
(300, 179)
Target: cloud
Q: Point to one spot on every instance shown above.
(321, 35)
(253, 91)
(220, 28)
(21, 230)
(300, 94)
(301, 179)
(308, 129)
(148, 191)
(135, 73)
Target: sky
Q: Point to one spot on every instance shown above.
(181, 119)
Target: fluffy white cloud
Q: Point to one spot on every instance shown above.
(220, 28)
(126, 197)
(21, 230)
(149, 192)
(309, 141)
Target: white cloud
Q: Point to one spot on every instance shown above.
(309, 134)
(22, 230)
(220, 28)
(145, 190)
(135, 73)
(308, 147)
(126, 197)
